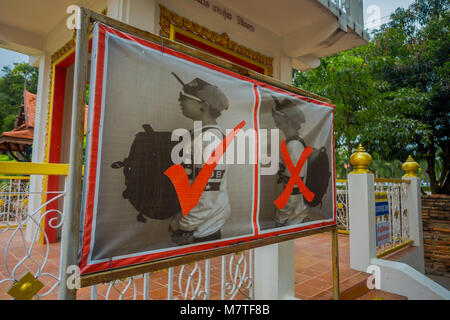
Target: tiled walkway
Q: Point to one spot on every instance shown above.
(313, 269)
(313, 272)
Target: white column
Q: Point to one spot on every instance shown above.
(414, 207)
(274, 275)
(119, 9)
(275, 264)
(138, 13)
(40, 125)
(361, 197)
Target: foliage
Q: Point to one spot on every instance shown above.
(11, 91)
(392, 95)
(4, 157)
(418, 38)
(11, 94)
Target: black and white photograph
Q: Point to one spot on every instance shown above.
(300, 124)
(150, 97)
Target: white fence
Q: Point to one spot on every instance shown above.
(396, 190)
(31, 269)
(28, 267)
(14, 191)
(226, 277)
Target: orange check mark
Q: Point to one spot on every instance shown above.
(188, 195)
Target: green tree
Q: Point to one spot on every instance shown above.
(346, 79)
(11, 91)
(417, 46)
(391, 95)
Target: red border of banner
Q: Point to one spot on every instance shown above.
(93, 157)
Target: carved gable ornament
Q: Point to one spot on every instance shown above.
(182, 29)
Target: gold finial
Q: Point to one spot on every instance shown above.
(360, 160)
(411, 167)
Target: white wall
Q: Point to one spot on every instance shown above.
(142, 14)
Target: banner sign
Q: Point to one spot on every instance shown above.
(183, 156)
(383, 233)
(383, 228)
(381, 206)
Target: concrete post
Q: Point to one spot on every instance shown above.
(414, 211)
(130, 12)
(361, 197)
(274, 276)
(40, 123)
(414, 207)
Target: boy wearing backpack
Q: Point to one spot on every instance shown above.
(289, 119)
(201, 101)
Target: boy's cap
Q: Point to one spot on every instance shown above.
(208, 93)
(291, 109)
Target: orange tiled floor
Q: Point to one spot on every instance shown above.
(313, 273)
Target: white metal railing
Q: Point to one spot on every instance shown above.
(29, 263)
(13, 200)
(353, 9)
(21, 257)
(396, 190)
(343, 5)
(342, 204)
(227, 277)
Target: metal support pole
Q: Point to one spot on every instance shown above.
(170, 284)
(145, 295)
(72, 203)
(207, 278)
(335, 253)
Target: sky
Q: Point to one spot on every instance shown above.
(8, 57)
(376, 12)
(382, 7)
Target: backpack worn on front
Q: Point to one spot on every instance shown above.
(317, 174)
(148, 189)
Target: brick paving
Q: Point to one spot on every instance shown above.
(313, 271)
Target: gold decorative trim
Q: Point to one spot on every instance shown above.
(176, 30)
(381, 196)
(385, 180)
(396, 248)
(221, 41)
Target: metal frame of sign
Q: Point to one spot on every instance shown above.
(72, 207)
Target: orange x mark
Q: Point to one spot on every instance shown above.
(295, 179)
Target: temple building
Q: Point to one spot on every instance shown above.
(265, 36)
(18, 142)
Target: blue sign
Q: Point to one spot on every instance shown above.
(381, 208)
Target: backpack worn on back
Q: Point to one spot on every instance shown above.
(148, 189)
(317, 173)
